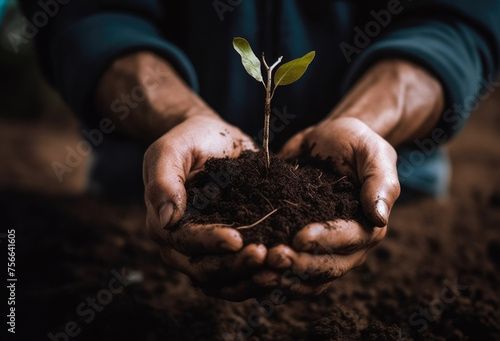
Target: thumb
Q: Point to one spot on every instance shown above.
(380, 184)
(165, 170)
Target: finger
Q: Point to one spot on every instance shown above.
(302, 289)
(229, 142)
(214, 269)
(196, 239)
(246, 143)
(165, 170)
(267, 278)
(314, 268)
(174, 157)
(380, 184)
(338, 236)
(292, 147)
(288, 281)
(280, 257)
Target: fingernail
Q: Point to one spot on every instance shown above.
(382, 211)
(259, 259)
(165, 214)
(228, 246)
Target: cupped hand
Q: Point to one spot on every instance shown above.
(213, 256)
(324, 251)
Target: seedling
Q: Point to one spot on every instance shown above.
(287, 73)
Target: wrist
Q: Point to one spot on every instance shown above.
(397, 99)
(144, 96)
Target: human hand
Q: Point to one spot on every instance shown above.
(210, 255)
(324, 251)
(393, 103)
(186, 132)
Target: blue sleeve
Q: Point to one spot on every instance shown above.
(458, 41)
(85, 36)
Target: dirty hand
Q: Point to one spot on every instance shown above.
(395, 102)
(324, 251)
(185, 131)
(209, 255)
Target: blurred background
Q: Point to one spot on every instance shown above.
(36, 127)
(70, 245)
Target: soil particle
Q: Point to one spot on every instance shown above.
(241, 192)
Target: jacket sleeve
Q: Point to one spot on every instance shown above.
(82, 37)
(456, 40)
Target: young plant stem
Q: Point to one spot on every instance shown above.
(267, 115)
(267, 108)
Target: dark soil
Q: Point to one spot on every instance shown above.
(241, 192)
(68, 246)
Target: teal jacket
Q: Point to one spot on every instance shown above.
(457, 40)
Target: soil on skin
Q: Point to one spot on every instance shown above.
(434, 277)
(241, 192)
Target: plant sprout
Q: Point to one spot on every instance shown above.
(287, 73)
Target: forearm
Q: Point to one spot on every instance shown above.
(143, 95)
(397, 99)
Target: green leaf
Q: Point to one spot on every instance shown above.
(291, 72)
(250, 62)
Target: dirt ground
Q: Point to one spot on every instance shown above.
(86, 269)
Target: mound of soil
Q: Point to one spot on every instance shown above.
(270, 206)
(434, 277)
